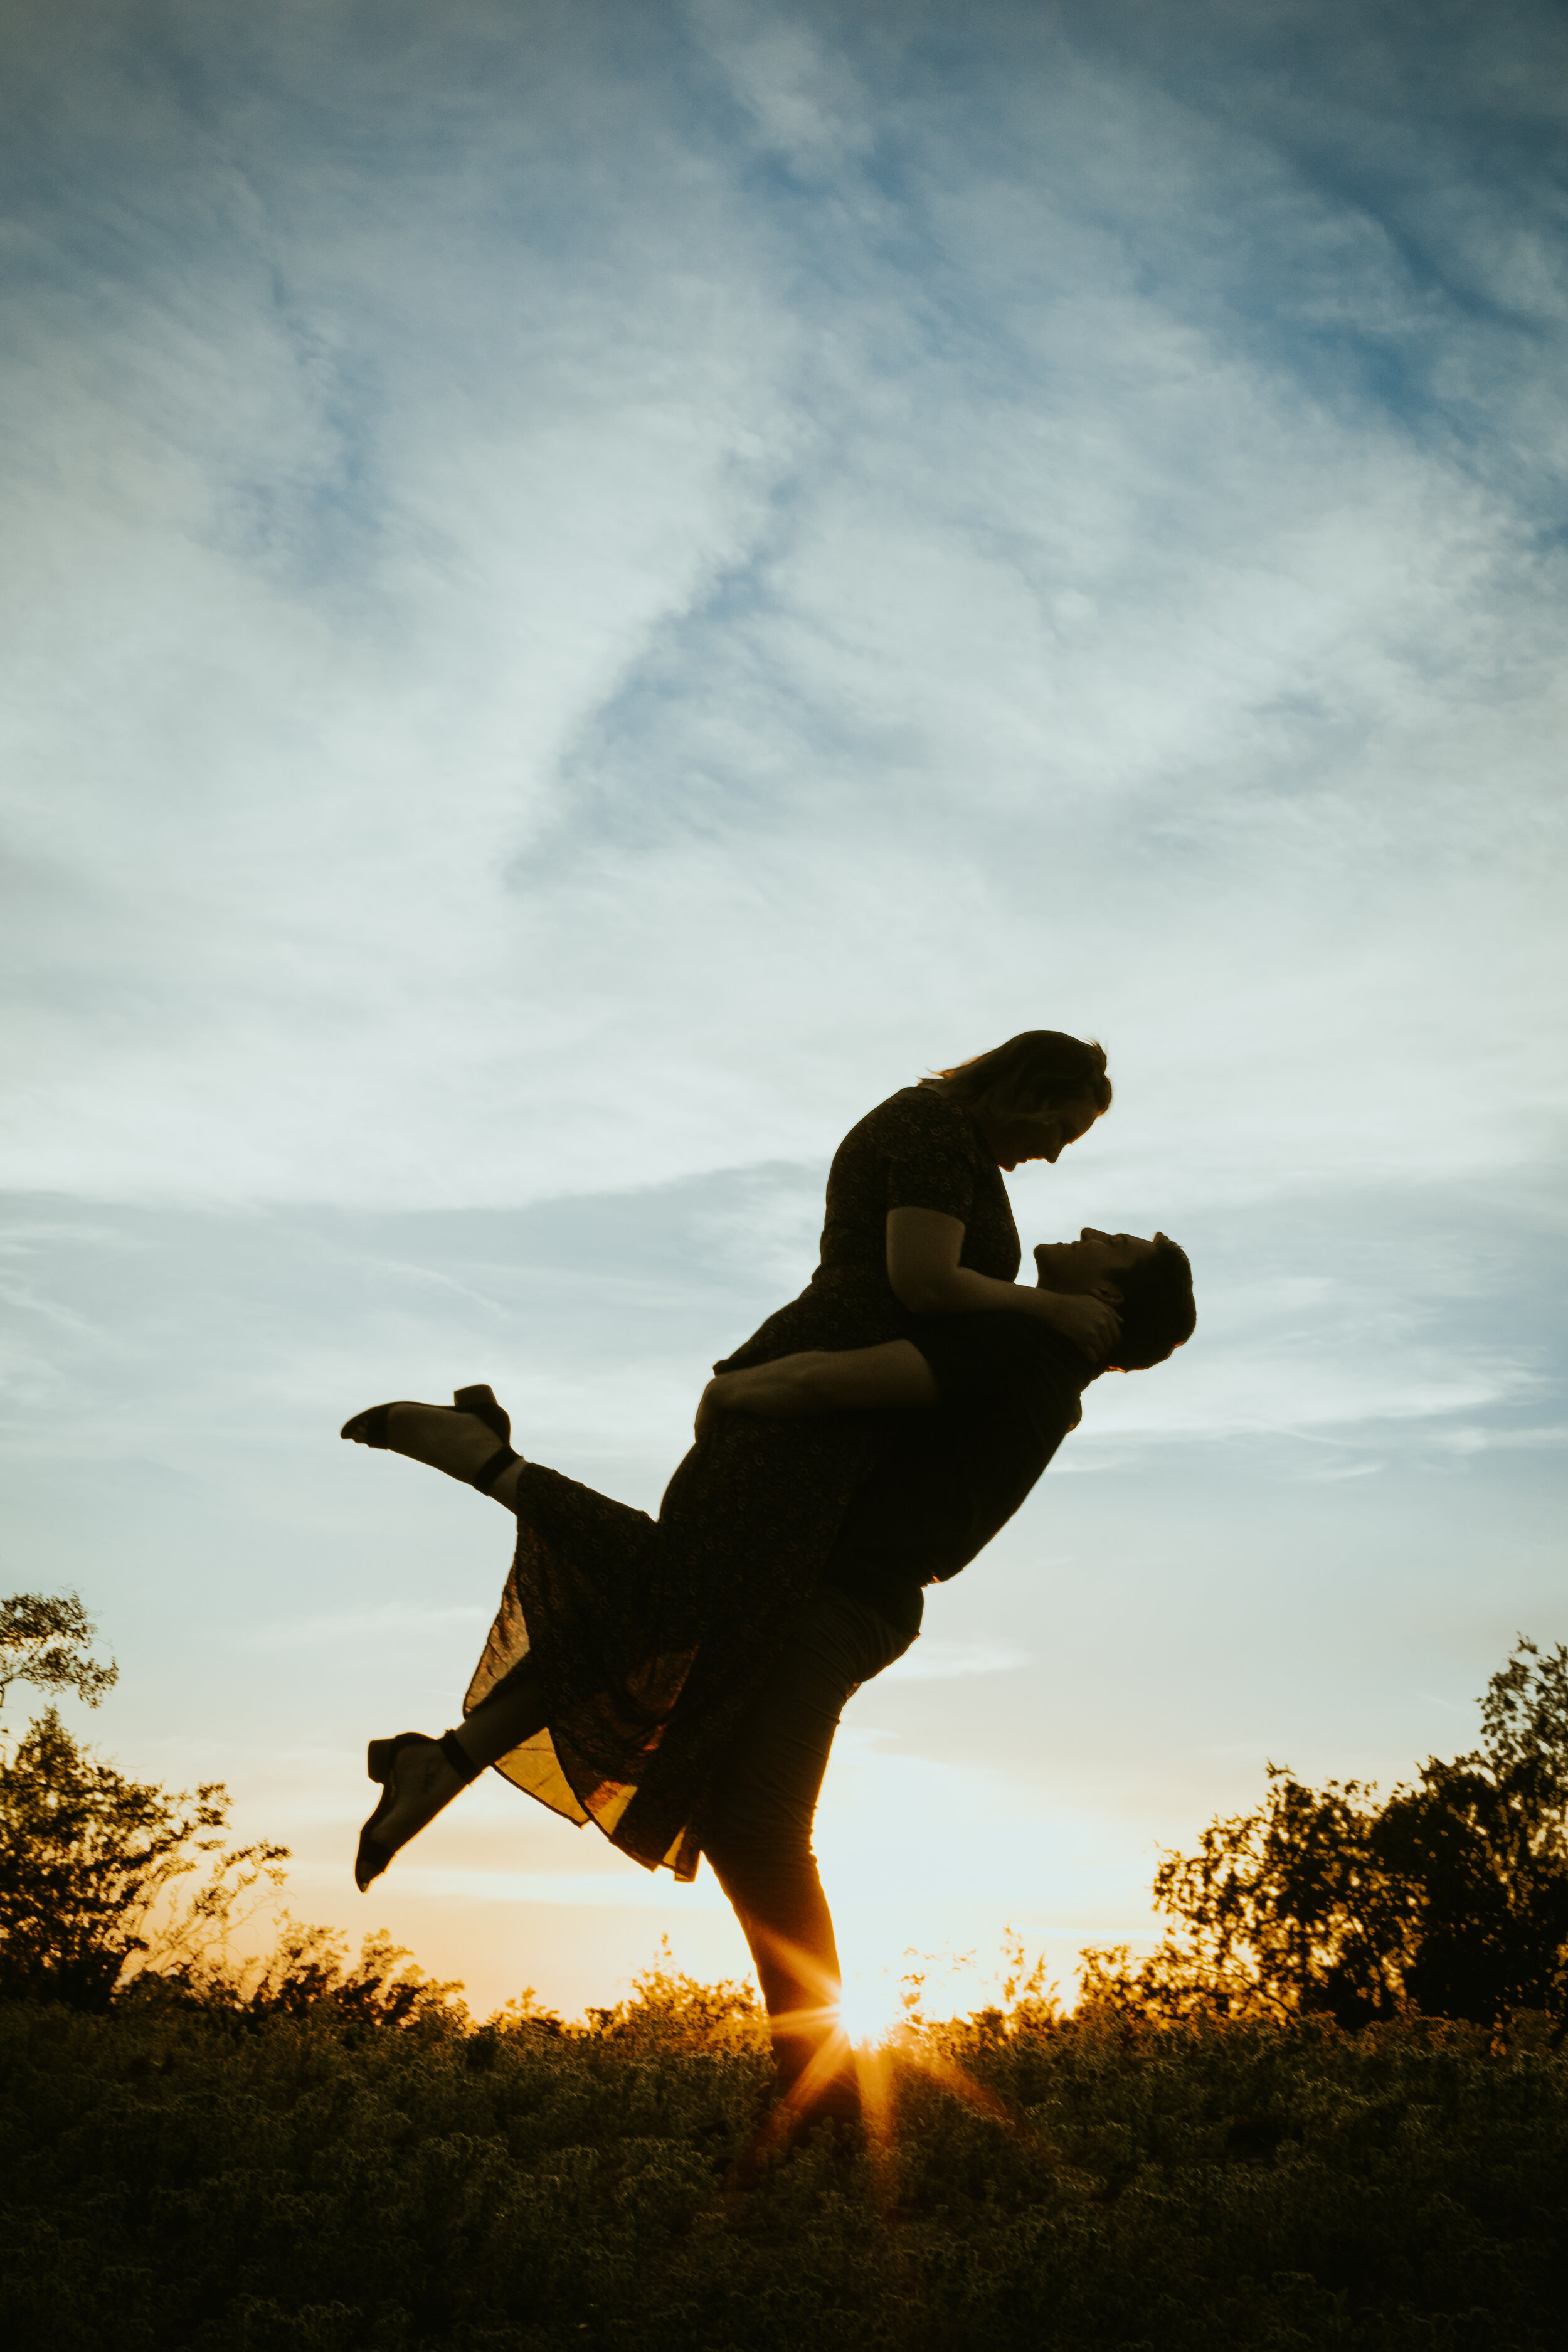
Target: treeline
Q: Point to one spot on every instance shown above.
(1448, 1899)
(1266, 2136)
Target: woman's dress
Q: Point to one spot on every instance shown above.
(650, 1636)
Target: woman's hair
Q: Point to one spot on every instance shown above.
(1157, 1310)
(1029, 1076)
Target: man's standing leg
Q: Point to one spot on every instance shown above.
(759, 1839)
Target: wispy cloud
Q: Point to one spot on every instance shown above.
(550, 585)
(1489, 1440)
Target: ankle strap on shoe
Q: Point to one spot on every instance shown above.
(485, 1476)
(459, 1758)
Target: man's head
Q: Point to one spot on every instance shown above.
(1149, 1283)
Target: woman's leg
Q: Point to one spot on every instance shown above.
(457, 1443)
(424, 1779)
(759, 1838)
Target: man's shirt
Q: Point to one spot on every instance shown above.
(948, 1478)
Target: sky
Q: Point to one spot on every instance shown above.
(591, 588)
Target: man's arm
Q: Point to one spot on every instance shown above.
(952, 1481)
(819, 1379)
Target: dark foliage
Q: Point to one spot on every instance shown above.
(308, 1974)
(89, 1861)
(1451, 1898)
(302, 2155)
(176, 2177)
(46, 1639)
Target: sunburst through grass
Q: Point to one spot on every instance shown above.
(871, 2009)
(867, 2033)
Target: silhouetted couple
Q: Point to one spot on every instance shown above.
(679, 1681)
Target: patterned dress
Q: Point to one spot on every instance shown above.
(650, 1635)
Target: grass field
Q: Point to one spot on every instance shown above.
(182, 2177)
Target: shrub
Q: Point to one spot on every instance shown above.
(668, 2010)
(308, 1972)
(1451, 1898)
(89, 1861)
(182, 2179)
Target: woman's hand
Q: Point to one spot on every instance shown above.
(1092, 1326)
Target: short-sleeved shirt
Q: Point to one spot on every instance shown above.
(916, 1150)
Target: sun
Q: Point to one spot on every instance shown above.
(869, 2007)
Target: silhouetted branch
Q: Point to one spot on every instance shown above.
(45, 1639)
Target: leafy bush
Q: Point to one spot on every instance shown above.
(197, 2180)
(668, 2010)
(89, 1861)
(1450, 1898)
(298, 2153)
(308, 1972)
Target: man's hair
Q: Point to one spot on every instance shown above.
(1033, 1073)
(1157, 1310)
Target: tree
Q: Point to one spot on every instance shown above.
(1483, 1844)
(87, 1858)
(1452, 1898)
(89, 1863)
(46, 1639)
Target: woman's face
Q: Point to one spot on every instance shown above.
(1044, 1136)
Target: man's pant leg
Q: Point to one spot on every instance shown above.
(759, 1837)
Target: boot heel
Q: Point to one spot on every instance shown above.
(381, 1754)
(481, 1401)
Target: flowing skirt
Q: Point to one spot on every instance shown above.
(650, 1637)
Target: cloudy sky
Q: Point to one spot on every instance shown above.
(593, 587)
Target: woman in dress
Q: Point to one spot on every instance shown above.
(677, 1681)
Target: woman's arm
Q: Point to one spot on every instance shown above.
(923, 1249)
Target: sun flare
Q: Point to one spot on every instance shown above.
(869, 2009)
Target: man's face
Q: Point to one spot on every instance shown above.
(1092, 1262)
